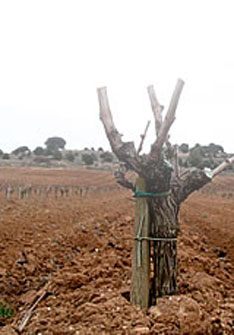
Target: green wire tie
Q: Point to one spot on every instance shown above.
(140, 238)
(141, 194)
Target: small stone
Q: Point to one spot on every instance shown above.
(155, 311)
(141, 330)
(128, 218)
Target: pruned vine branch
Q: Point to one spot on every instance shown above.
(123, 181)
(193, 180)
(143, 136)
(167, 122)
(222, 166)
(148, 166)
(112, 133)
(125, 151)
(121, 178)
(156, 108)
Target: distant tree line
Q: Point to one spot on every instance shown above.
(55, 150)
(201, 156)
(198, 156)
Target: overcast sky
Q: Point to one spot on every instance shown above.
(54, 54)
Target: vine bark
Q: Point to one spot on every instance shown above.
(168, 188)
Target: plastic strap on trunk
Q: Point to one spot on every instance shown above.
(141, 194)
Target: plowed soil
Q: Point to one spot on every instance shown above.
(74, 252)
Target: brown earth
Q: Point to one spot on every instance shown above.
(80, 249)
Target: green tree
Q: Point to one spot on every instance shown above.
(214, 149)
(196, 156)
(69, 156)
(57, 155)
(88, 159)
(107, 157)
(5, 156)
(184, 147)
(23, 150)
(55, 143)
(39, 151)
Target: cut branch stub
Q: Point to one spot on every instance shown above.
(113, 135)
(222, 166)
(121, 179)
(166, 125)
(143, 136)
(125, 151)
(195, 179)
(156, 108)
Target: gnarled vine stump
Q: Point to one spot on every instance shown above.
(165, 189)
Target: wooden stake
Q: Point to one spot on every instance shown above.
(41, 295)
(141, 252)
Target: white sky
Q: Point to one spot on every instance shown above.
(54, 54)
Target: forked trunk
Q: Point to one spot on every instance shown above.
(164, 230)
(164, 189)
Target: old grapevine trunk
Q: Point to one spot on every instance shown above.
(164, 225)
(164, 230)
(165, 189)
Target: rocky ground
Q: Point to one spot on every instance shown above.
(74, 253)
